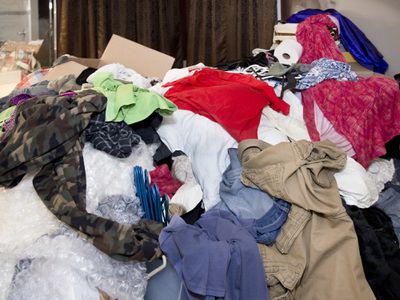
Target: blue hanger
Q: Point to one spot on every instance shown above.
(136, 176)
(154, 206)
(158, 203)
(142, 193)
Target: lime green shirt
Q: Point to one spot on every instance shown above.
(129, 103)
(5, 115)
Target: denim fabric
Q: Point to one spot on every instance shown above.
(265, 229)
(389, 202)
(396, 176)
(268, 227)
(257, 211)
(245, 202)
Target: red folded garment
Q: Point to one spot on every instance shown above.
(165, 182)
(235, 101)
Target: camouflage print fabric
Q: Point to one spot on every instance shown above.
(48, 136)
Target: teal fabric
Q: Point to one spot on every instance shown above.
(129, 103)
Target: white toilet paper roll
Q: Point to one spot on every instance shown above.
(288, 52)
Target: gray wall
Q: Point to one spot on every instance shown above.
(19, 16)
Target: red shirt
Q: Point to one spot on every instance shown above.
(235, 101)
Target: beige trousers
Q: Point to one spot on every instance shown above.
(316, 254)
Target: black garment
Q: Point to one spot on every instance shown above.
(118, 138)
(192, 216)
(114, 138)
(162, 156)
(397, 78)
(379, 249)
(393, 148)
(260, 59)
(146, 129)
(82, 78)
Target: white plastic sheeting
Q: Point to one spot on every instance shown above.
(41, 258)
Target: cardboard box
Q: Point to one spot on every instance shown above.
(8, 81)
(19, 56)
(283, 32)
(360, 70)
(146, 61)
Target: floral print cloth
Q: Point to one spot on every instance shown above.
(366, 112)
(326, 68)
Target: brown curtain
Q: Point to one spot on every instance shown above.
(209, 31)
(221, 30)
(85, 26)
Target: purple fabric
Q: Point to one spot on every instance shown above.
(17, 99)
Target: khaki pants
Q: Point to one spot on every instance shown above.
(316, 254)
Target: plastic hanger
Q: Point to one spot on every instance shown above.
(154, 206)
(158, 269)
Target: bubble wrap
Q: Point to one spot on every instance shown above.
(120, 208)
(17, 233)
(107, 175)
(23, 201)
(41, 258)
(67, 267)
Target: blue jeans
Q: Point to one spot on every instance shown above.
(268, 226)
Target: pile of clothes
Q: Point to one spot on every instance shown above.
(283, 182)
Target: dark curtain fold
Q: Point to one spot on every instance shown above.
(209, 31)
(221, 30)
(85, 26)
(206, 32)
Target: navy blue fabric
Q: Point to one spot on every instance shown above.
(216, 257)
(114, 138)
(353, 39)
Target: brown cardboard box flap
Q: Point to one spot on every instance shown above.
(144, 60)
(89, 62)
(67, 68)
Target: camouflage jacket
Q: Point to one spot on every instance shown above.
(48, 137)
